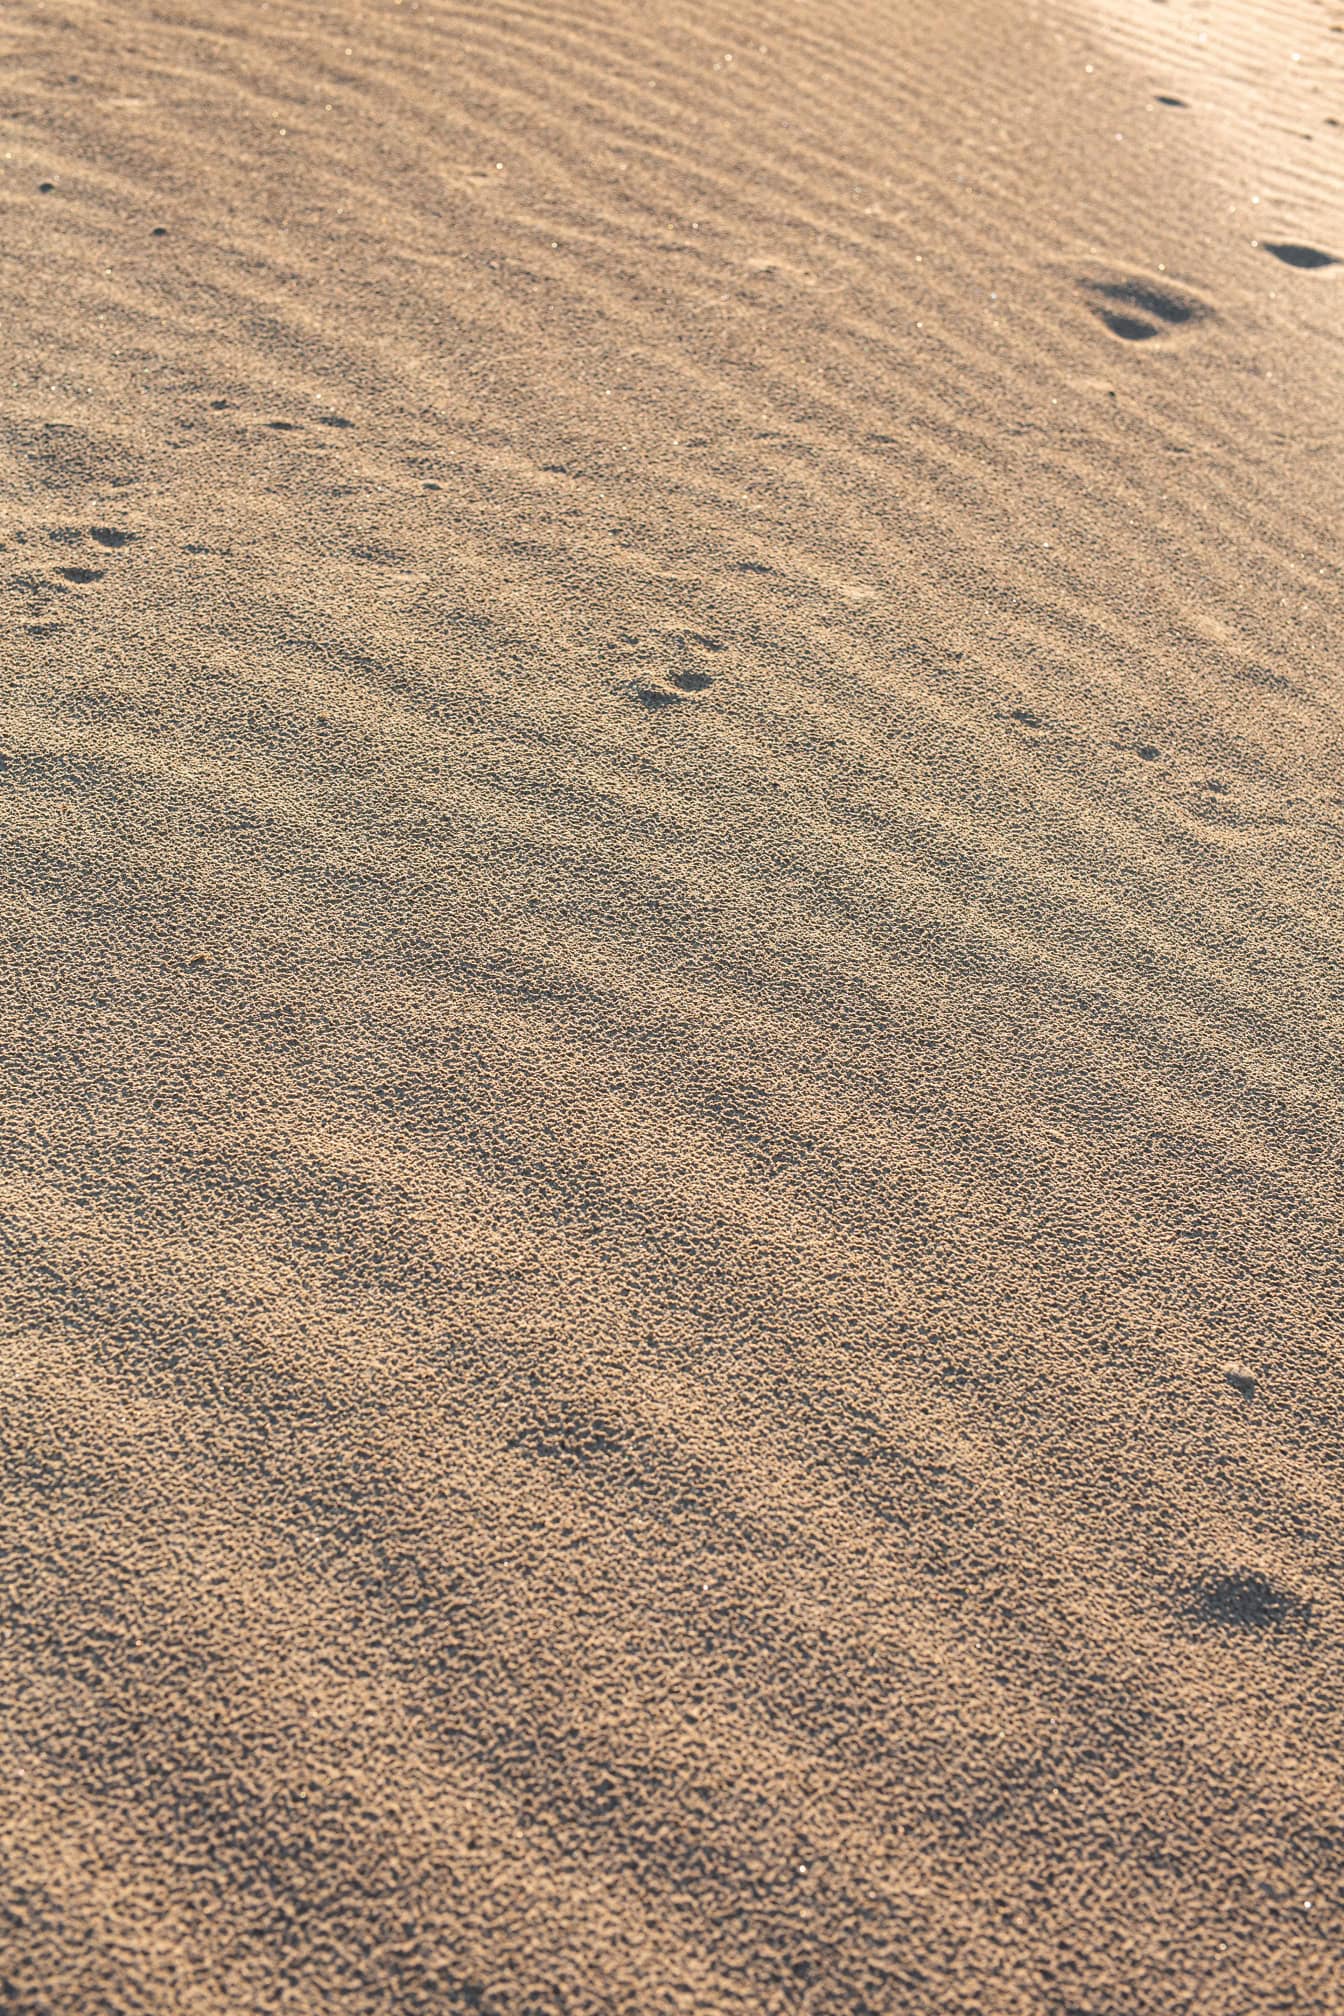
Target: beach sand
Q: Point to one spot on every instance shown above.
(672, 788)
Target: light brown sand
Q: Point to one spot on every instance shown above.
(673, 909)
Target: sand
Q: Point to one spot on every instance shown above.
(671, 782)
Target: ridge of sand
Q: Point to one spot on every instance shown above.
(671, 759)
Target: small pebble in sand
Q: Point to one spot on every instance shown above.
(1241, 1377)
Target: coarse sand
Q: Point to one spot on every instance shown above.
(672, 882)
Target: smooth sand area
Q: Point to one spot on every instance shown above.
(672, 882)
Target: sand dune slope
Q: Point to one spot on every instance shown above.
(670, 777)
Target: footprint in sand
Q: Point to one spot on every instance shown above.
(653, 696)
(1143, 308)
(109, 537)
(1248, 1602)
(664, 688)
(1306, 257)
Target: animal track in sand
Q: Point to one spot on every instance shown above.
(658, 685)
(1247, 1602)
(653, 696)
(1306, 257)
(1139, 308)
(108, 535)
(81, 576)
(679, 684)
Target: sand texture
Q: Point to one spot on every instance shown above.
(672, 882)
